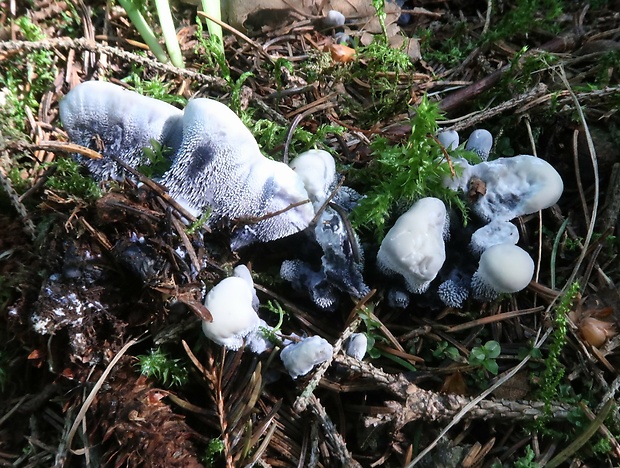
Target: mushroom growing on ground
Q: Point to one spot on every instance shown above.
(414, 248)
(114, 121)
(496, 232)
(515, 186)
(503, 268)
(219, 165)
(216, 162)
(342, 259)
(231, 304)
(454, 291)
(357, 345)
(480, 142)
(300, 358)
(449, 139)
(317, 170)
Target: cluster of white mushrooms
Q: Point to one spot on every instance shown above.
(503, 189)
(216, 164)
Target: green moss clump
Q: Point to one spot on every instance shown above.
(406, 172)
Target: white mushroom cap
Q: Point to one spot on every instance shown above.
(317, 170)
(241, 271)
(480, 142)
(122, 121)
(503, 268)
(449, 139)
(414, 248)
(234, 317)
(219, 165)
(334, 19)
(357, 345)
(300, 358)
(516, 186)
(496, 232)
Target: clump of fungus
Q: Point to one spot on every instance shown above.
(231, 304)
(215, 161)
(414, 247)
(299, 358)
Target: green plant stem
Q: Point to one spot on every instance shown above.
(212, 8)
(136, 17)
(169, 32)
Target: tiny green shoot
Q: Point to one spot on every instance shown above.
(155, 160)
(485, 356)
(158, 365)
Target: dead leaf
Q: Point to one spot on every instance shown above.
(454, 384)
(342, 53)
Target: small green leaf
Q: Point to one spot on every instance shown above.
(491, 366)
(492, 349)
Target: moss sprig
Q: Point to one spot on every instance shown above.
(402, 173)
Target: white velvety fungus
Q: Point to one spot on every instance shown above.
(496, 232)
(114, 121)
(414, 248)
(234, 317)
(480, 142)
(516, 186)
(219, 165)
(503, 268)
(357, 345)
(300, 358)
(317, 170)
(216, 162)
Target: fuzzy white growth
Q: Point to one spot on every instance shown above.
(516, 186)
(99, 115)
(414, 248)
(449, 139)
(480, 142)
(219, 164)
(496, 232)
(357, 345)
(300, 358)
(256, 341)
(317, 170)
(503, 268)
(234, 317)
